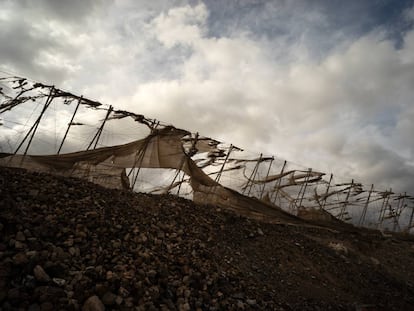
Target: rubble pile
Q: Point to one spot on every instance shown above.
(66, 244)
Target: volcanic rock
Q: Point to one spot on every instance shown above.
(40, 274)
(93, 303)
(75, 245)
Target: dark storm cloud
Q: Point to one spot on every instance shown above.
(383, 166)
(33, 33)
(72, 11)
(319, 24)
(22, 46)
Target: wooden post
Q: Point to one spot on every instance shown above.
(35, 125)
(343, 207)
(99, 132)
(279, 182)
(217, 179)
(305, 185)
(364, 212)
(327, 192)
(70, 124)
(267, 175)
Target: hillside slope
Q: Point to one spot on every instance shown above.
(68, 244)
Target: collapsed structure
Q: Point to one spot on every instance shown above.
(265, 192)
(161, 149)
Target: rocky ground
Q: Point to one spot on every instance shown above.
(66, 244)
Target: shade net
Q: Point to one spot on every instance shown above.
(49, 130)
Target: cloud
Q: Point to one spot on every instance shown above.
(37, 39)
(183, 25)
(214, 80)
(324, 85)
(72, 12)
(381, 166)
(231, 88)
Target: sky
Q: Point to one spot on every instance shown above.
(327, 84)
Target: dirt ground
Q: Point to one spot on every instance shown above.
(66, 244)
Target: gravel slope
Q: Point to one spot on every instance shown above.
(66, 244)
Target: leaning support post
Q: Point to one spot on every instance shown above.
(177, 172)
(176, 175)
(253, 175)
(343, 207)
(305, 186)
(224, 163)
(267, 175)
(364, 212)
(327, 192)
(410, 223)
(279, 182)
(400, 207)
(154, 125)
(70, 124)
(35, 125)
(140, 154)
(139, 157)
(383, 206)
(382, 215)
(135, 178)
(179, 185)
(192, 151)
(293, 202)
(99, 132)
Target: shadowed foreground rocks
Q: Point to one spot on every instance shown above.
(66, 244)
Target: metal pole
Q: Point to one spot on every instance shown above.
(383, 206)
(305, 186)
(176, 175)
(179, 185)
(70, 124)
(267, 175)
(154, 125)
(364, 212)
(222, 167)
(139, 158)
(343, 207)
(398, 211)
(410, 223)
(99, 132)
(327, 192)
(177, 172)
(293, 202)
(279, 181)
(141, 155)
(192, 151)
(253, 175)
(33, 129)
